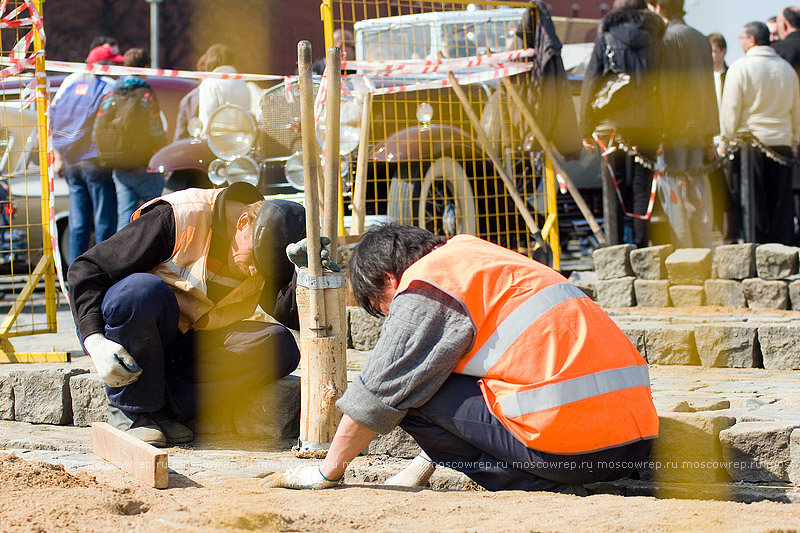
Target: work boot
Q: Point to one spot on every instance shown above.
(174, 431)
(137, 425)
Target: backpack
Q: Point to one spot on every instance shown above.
(72, 119)
(121, 128)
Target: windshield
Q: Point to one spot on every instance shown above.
(397, 42)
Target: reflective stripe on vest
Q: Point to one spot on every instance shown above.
(185, 274)
(573, 390)
(515, 324)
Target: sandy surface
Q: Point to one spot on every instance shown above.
(42, 497)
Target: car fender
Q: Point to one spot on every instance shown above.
(426, 142)
(182, 154)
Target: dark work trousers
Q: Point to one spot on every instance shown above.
(187, 370)
(773, 205)
(634, 182)
(456, 429)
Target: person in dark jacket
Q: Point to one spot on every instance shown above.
(690, 101)
(788, 47)
(630, 42)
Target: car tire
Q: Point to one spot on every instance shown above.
(440, 201)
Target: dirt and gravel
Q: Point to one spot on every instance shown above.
(38, 496)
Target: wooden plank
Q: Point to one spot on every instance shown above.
(141, 460)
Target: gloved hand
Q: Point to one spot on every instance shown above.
(113, 362)
(416, 474)
(301, 477)
(297, 252)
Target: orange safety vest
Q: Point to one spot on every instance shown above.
(555, 369)
(186, 270)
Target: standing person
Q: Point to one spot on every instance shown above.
(788, 47)
(162, 307)
(762, 97)
(726, 208)
(216, 92)
(495, 364)
(690, 102)
(189, 106)
(629, 43)
(772, 26)
(93, 200)
(128, 130)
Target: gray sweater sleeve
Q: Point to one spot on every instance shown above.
(423, 338)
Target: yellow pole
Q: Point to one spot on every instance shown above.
(44, 175)
(326, 15)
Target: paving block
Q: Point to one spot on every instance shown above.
(725, 293)
(363, 329)
(689, 266)
(41, 395)
(273, 412)
(651, 293)
(616, 292)
(688, 448)
(671, 345)
(730, 345)
(89, 401)
(648, 263)
(687, 295)
(765, 293)
(757, 452)
(779, 347)
(776, 261)
(6, 397)
(397, 443)
(636, 333)
(794, 294)
(735, 261)
(613, 262)
(794, 457)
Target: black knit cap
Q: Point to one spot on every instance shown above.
(278, 224)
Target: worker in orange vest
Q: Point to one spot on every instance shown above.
(495, 364)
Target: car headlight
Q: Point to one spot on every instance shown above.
(218, 172)
(293, 168)
(243, 169)
(231, 132)
(349, 126)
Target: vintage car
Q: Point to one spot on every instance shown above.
(424, 164)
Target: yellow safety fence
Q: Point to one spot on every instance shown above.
(447, 146)
(27, 273)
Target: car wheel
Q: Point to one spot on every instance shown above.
(440, 201)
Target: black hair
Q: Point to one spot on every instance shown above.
(100, 40)
(758, 31)
(792, 17)
(386, 249)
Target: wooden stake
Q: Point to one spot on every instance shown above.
(486, 144)
(360, 186)
(330, 219)
(550, 151)
(141, 460)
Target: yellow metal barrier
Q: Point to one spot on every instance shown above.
(425, 162)
(27, 267)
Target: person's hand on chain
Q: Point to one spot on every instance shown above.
(113, 362)
(297, 252)
(301, 477)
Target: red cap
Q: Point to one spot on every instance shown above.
(103, 53)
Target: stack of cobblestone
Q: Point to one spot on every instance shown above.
(735, 275)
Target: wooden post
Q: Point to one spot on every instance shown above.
(360, 186)
(320, 295)
(548, 149)
(330, 219)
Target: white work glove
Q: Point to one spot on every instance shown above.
(297, 252)
(301, 477)
(416, 474)
(113, 362)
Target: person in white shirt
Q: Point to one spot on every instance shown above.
(762, 96)
(216, 92)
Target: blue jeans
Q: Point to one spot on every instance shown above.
(135, 186)
(456, 429)
(92, 205)
(188, 371)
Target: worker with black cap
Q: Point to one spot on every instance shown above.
(162, 307)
